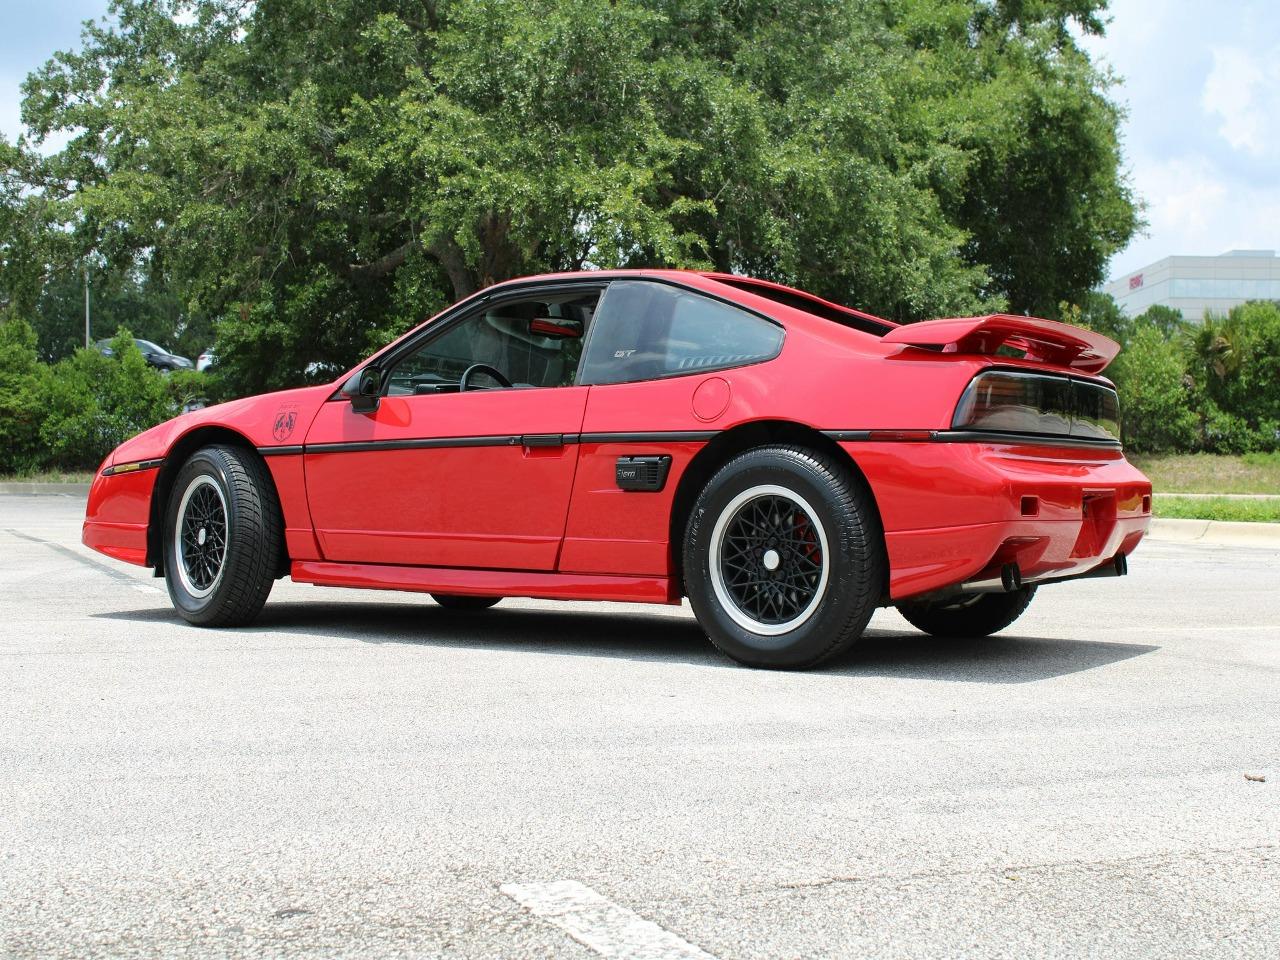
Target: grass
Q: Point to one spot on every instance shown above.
(50, 476)
(1211, 473)
(1217, 508)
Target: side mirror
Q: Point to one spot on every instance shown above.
(558, 329)
(364, 389)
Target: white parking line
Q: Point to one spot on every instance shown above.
(599, 923)
(67, 552)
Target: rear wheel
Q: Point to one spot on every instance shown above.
(454, 601)
(979, 615)
(222, 537)
(783, 558)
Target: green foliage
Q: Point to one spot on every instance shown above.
(191, 387)
(1155, 395)
(1213, 386)
(1237, 359)
(1099, 312)
(1030, 165)
(1165, 319)
(91, 403)
(22, 378)
(312, 178)
(117, 300)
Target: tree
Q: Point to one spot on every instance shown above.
(1165, 319)
(1156, 395)
(314, 177)
(1235, 363)
(1024, 114)
(1099, 312)
(117, 299)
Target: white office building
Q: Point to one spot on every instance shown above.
(1196, 284)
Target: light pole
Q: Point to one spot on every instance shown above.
(86, 304)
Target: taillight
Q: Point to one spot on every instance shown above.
(1003, 401)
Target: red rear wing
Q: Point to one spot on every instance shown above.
(1045, 340)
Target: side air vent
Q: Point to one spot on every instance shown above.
(647, 473)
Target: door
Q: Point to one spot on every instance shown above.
(463, 463)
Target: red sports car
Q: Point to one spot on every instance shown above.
(787, 464)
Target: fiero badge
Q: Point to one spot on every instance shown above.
(286, 420)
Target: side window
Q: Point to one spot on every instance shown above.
(532, 342)
(646, 330)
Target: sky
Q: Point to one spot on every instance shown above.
(1200, 81)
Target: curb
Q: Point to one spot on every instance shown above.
(22, 489)
(1225, 532)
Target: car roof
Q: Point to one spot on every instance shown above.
(790, 297)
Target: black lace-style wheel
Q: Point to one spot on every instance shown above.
(979, 615)
(784, 558)
(222, 537)
(455, 601)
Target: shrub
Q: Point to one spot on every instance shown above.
(22, 378)
(1155, 400)
(93, 403)
(1235, 364)
(191, 387)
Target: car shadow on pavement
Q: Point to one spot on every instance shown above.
(670, 637)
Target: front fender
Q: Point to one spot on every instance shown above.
(126, 499)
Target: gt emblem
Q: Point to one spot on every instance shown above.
(286, 420)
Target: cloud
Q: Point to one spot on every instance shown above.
(1196, 208)
(1185, 194)
(1202, 135)
(1243, 90)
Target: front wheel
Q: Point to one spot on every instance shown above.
(222, 537)
(979, 615)
(784, 558)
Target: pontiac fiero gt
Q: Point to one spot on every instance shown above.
(787, 464)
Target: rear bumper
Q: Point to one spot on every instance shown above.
(960, 512)
(117, 514)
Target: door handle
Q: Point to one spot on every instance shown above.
(543, 440)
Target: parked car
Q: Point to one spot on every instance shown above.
(206, 360)
(786, 463)
(154, 354)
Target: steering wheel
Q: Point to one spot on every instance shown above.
(481, 368)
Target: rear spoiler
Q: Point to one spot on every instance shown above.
(1048, 341)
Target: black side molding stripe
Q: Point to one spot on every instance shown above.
(359, 446)
(527, 440)
(671, 436)
(132, 467)
(888, 435)
(1033, 439)
(893, 435)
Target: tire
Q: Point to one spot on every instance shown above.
(809, 599)
(230, 489)
(968, 617)
(455, 601)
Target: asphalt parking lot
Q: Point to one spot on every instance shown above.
(367, 775)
